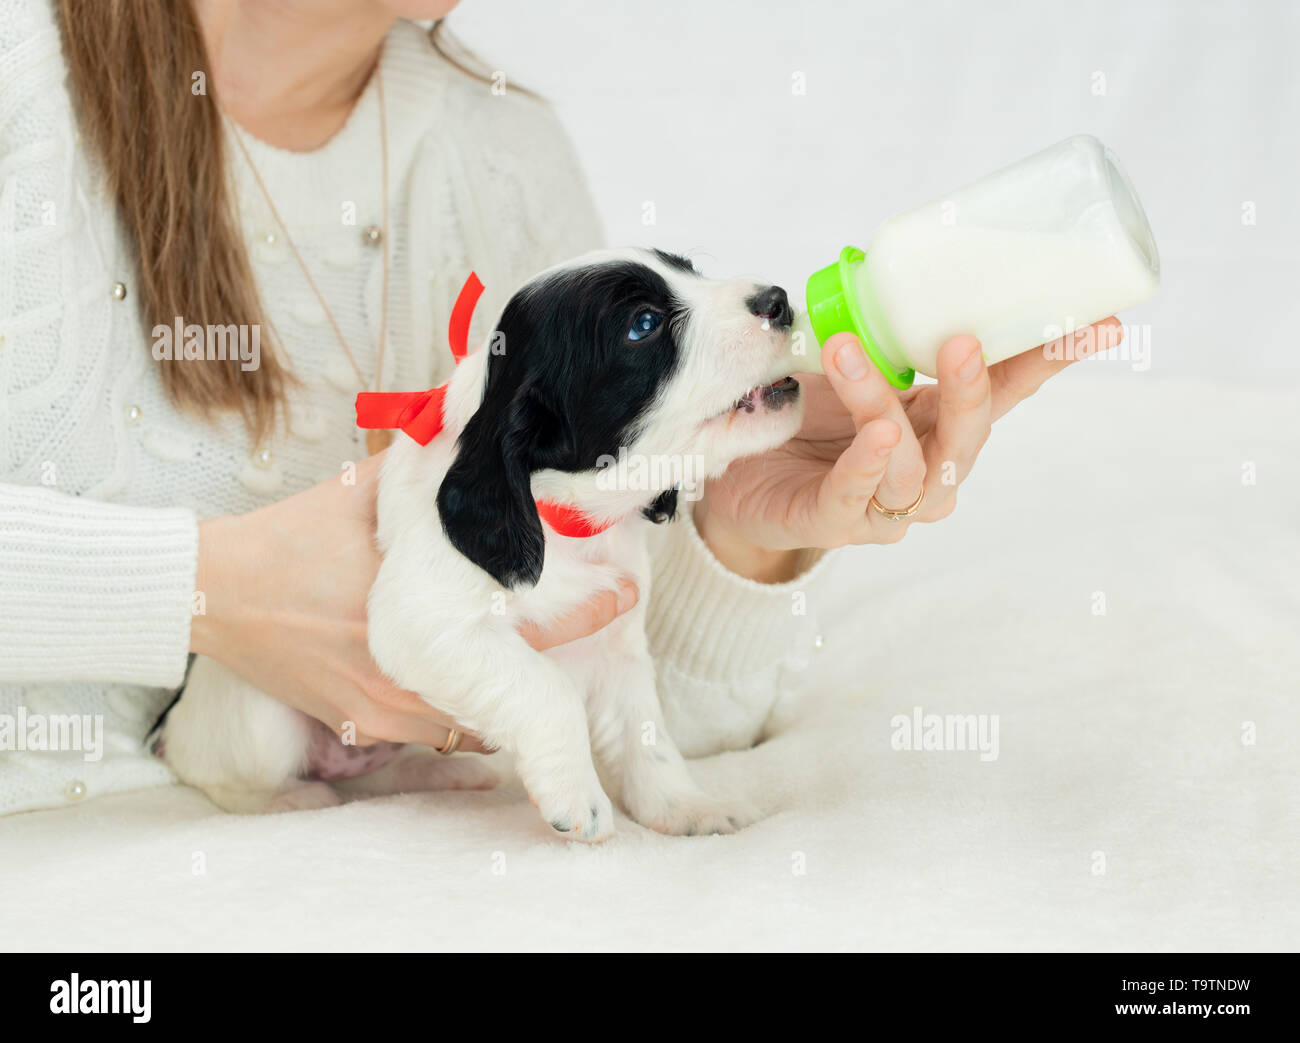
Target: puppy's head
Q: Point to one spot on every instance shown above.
(627, 354)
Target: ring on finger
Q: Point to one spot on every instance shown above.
(906, 512)
(453, 741)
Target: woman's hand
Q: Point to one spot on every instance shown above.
(285, 590)
(862, 438)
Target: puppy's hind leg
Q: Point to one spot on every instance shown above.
(298, 795)
(243, 749)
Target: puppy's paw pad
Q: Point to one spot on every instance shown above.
(589, 820)
(701, 816)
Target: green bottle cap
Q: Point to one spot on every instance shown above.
(833, 308)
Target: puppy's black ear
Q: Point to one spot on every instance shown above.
(485, 501)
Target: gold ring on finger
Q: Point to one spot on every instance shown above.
(906, 512)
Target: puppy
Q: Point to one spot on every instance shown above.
(626, 354)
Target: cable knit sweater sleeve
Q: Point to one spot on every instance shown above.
(730, 652)
(93, 591)
(88, 590)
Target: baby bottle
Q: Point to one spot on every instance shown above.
(1047, 245)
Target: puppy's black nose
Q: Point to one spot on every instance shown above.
(773, 305)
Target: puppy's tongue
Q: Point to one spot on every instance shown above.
(750, 401)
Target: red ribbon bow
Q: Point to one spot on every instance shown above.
(419, 413)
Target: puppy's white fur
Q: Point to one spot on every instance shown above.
(439, 625)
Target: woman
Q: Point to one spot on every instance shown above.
(327, 174)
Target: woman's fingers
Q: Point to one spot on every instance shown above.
(597, 612)
(397, 715)
(855, 476)
(962, 424)
(423, 732)
(1018, 377)
(868, 396)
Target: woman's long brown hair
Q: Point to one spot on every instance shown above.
(161, 150)
(160, 145)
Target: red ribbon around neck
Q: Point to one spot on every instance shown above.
(419, 413)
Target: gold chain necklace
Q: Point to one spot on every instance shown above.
(375, 440)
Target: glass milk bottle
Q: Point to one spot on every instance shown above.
(1047, 245)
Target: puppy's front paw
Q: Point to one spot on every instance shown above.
(576, 813)
(695, 814)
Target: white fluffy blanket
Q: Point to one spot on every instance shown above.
(1144, 796)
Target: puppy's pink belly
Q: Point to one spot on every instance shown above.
(329, 760)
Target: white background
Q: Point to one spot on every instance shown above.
(1121, 732)
(689, 105)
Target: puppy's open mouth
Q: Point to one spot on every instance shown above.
(771, 396)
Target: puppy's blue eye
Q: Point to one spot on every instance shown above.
(644, 325)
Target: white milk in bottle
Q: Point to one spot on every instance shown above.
(1049, 244)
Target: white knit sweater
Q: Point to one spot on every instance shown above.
(104, 481)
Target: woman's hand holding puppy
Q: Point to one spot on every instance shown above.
(285, 592)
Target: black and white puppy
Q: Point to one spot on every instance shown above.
(627, 350)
